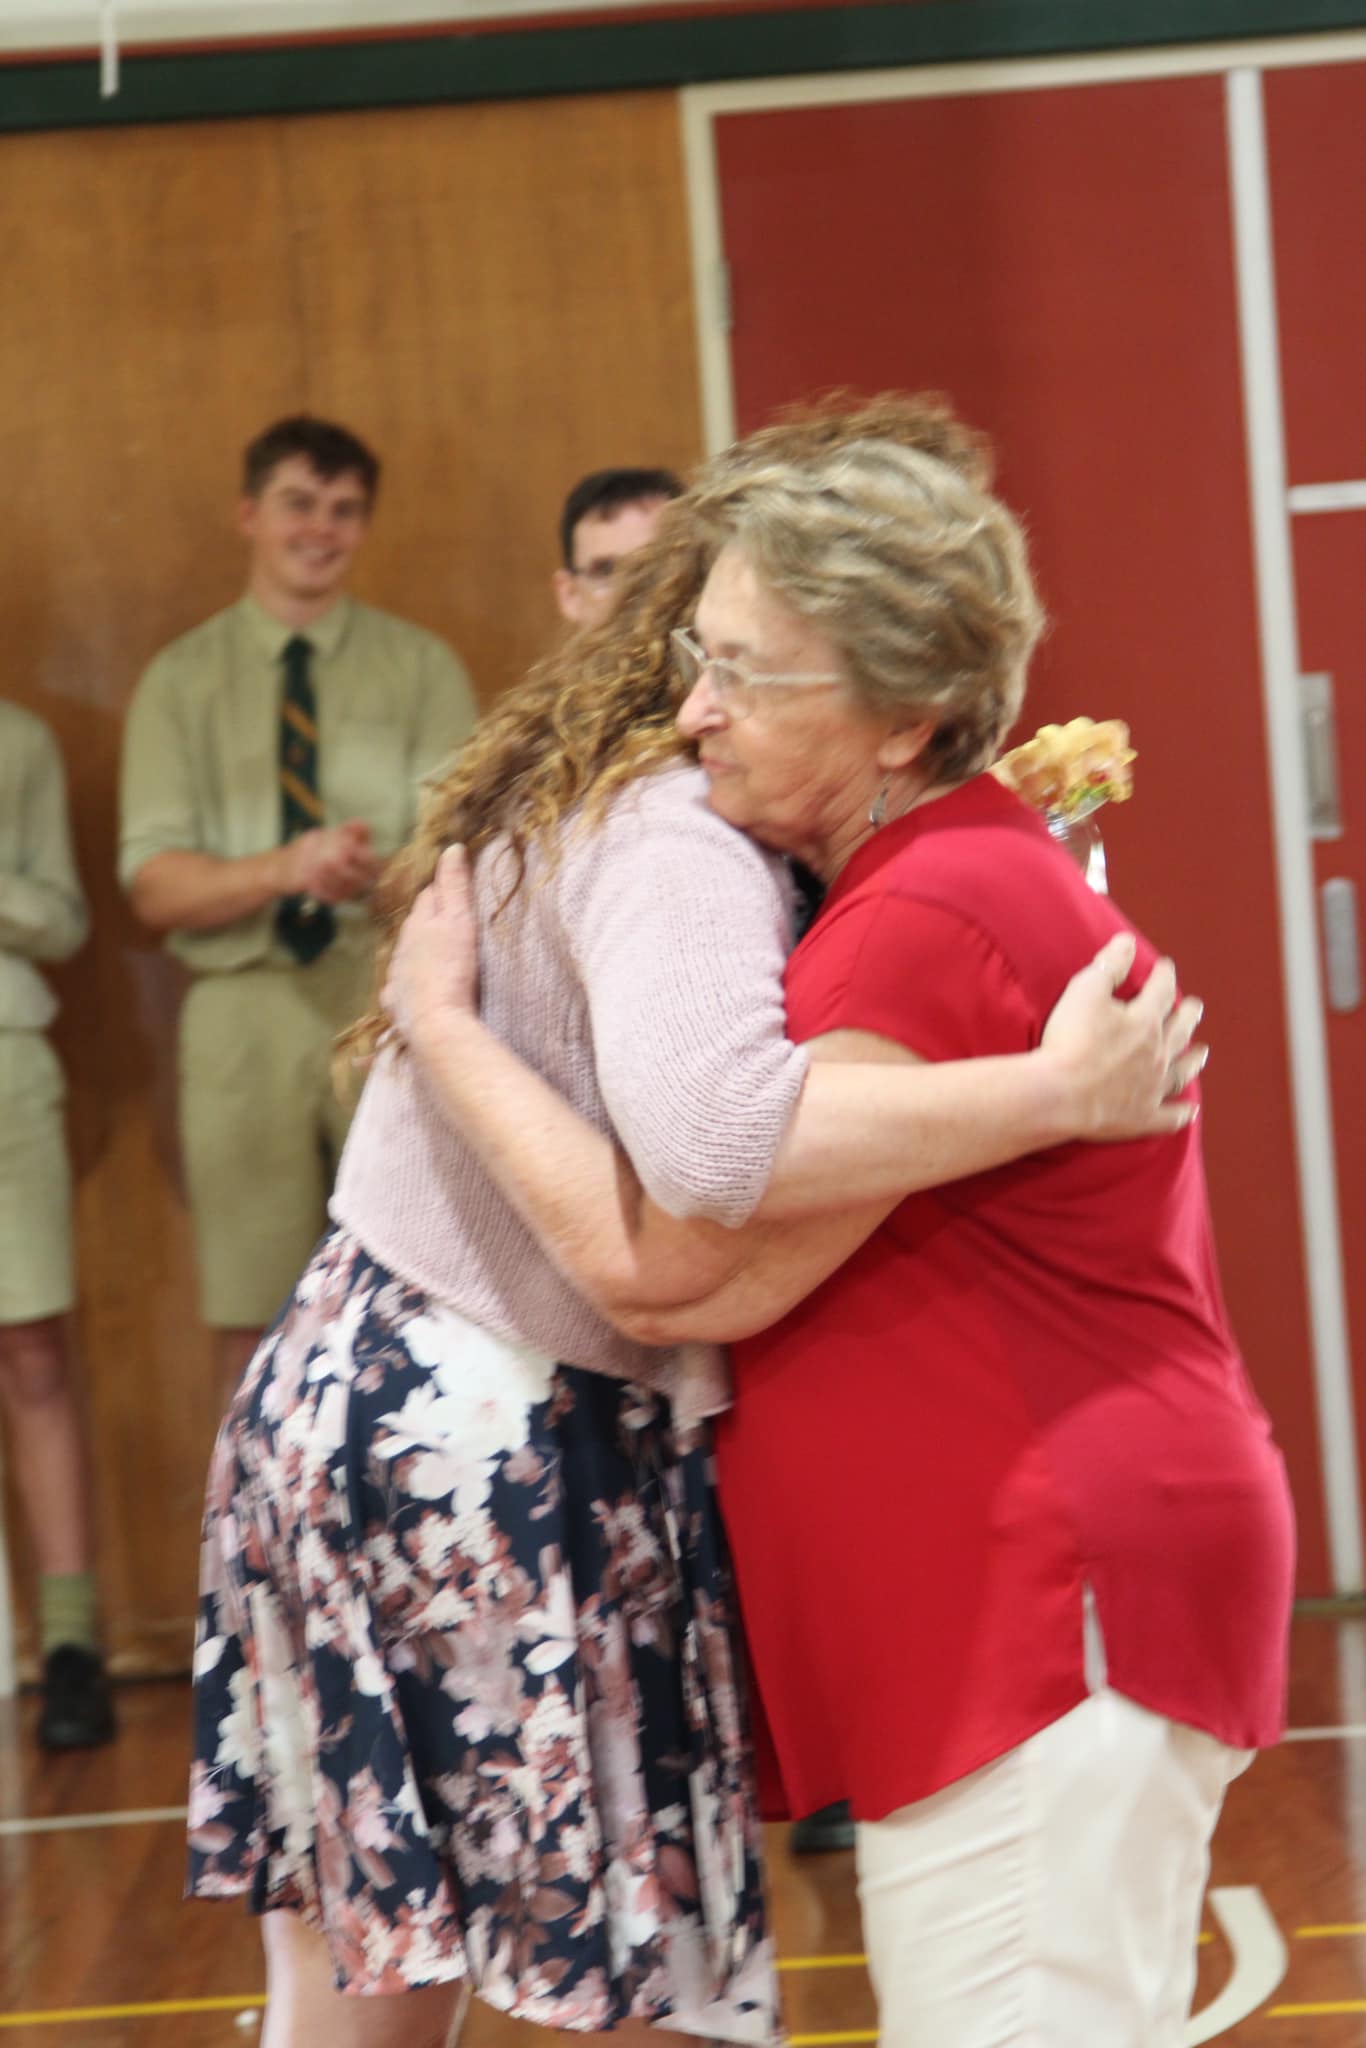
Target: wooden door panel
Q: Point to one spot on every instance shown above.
(499, 297)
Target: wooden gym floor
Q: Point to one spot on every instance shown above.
(97, 1950)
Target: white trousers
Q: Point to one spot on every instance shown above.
(1053, 1899)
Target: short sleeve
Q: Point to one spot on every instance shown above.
(912, 971)
(680, 939)
(157, 811)
(446, 712)
(43, 912)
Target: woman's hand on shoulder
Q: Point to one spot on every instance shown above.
(433, 975)
(1125, 1064)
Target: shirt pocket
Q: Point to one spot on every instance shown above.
(364, 772)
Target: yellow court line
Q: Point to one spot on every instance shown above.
(249, 2003)
(821, 1962)
(130, 2012)
(1308, 2012)
(1320, 1933)
(825, 2040)
(165, 2009)
(858, 1962)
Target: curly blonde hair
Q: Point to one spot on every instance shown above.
(600, 711)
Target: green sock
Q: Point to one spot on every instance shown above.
(66, 1610)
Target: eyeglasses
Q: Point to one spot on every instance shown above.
(732, 683)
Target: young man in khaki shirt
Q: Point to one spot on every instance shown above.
(43, 919)
(272, 763)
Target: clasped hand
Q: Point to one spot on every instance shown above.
(332, 863)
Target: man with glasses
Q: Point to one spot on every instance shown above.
(271, 765)
(606, 517)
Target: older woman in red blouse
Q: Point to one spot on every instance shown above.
(1013, 1543)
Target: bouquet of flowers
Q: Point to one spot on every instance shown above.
(1068, 772)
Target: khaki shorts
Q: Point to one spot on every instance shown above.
(260, 1125)
(35, 1182)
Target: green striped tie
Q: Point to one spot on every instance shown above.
(304, 925)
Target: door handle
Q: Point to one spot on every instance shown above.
(1321, 756)
(1341, 946)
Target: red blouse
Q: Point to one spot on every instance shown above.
(1022, 1384)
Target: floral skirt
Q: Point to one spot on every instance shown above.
(466, 1684)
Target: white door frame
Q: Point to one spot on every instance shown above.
(1242, 65)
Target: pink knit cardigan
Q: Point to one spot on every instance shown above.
(641, 974)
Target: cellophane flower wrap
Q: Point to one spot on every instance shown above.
(1069, 772)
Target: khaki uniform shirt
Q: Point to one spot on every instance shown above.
(201, 750)
(42, 907)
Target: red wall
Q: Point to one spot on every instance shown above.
(1061, 263)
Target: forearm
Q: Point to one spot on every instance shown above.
(184, 890)
(570, 1183)
(875, 1134)
(878, 1133)
(783, 1263)
(659, 1279)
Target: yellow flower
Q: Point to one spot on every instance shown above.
(1069, 769)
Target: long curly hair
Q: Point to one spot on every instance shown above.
(600, 710)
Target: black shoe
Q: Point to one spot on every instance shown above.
(77, 1710)
(829, 1827)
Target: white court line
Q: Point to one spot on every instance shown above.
(128, 1817)
(1327, 497)
(139, 1816)
(1260, 1961)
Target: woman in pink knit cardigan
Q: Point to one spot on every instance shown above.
(467, 1705)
